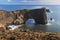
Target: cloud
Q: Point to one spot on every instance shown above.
(52, 2)
(32, 2)
(9, 0)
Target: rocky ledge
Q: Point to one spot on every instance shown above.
(26, 34)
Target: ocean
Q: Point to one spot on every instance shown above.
(53, 26)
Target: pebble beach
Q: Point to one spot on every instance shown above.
(26, 34)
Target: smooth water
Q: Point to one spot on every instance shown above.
(55, 14)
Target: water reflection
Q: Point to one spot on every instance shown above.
(37, 27)
(47, 28)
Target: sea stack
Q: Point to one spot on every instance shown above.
(38, 14)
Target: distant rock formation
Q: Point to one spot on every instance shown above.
(20, 16)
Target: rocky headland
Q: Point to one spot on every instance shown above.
(19, 17)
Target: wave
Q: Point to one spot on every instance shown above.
(50, 22)
(12, 27)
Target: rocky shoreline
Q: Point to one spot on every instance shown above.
(26, 34)
(20, 16)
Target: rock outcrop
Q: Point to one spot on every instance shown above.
(26, 34)
(20, 16)
(38, 14)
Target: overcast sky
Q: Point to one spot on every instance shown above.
(30, 2)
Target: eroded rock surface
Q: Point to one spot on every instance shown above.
(20, 16)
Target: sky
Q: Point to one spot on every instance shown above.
(30, 2)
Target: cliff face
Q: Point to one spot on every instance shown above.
(20, 16)
(5, 17)
(38, 14)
